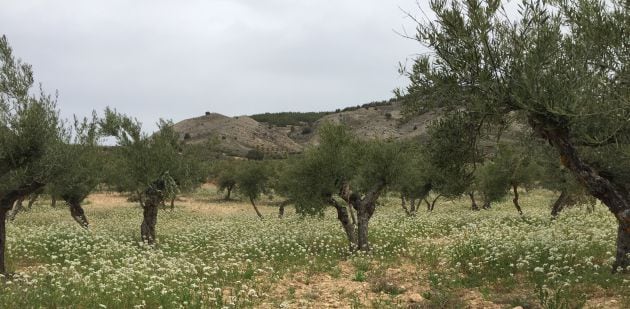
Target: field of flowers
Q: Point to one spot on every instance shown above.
(212, 254)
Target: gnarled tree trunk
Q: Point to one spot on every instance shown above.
(558, 206)
(251, 200)
(150, 213)
(18, 207)
(344, 217)
(515, 199)
(613, 195)
(3, 237)
(228, 192)
(77, 213)
(363, 220)
(365, 209)
(622, 258)
(6, 202)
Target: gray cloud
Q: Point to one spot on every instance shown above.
(178, 59)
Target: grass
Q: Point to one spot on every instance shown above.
(221, 255)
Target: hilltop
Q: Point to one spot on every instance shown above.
(280, 134)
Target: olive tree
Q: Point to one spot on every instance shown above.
(141, 165)
(555, 177)
(452, 155)
(31, 134)
(346, 173)
(414, 181)
(189, 168)
(82, 168)
(511, 167)
(559, 67)
(252, 180)
(224, 175)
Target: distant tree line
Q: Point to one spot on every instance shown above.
(368, 105)
(289, 118)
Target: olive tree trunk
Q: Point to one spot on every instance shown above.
(251, 200)
(365, 210)
(612, 194)
(228, 192)
(33, 198)
(6, 202)
(431, 206)
(18, 206)
(363, 220)
(412, 206)
(281, 208)
(77, 213)
(515, 199)
(473, 203)
(403, 203)
(3, 237)
(559, 204)
(344, 218)
(150, 213)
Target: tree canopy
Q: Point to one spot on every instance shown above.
(559, 67)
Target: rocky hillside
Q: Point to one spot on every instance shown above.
(239, 135)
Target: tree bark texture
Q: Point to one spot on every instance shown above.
(613, 195)
(149, 221)
(344, 217)
(363, 218)
(622, 258)
(365, 209)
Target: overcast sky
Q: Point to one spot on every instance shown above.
(177, 59)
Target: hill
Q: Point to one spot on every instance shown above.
(280, 134)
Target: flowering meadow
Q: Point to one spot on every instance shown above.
(219, 255)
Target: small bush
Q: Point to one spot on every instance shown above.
(255, 154)
(307, 130)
